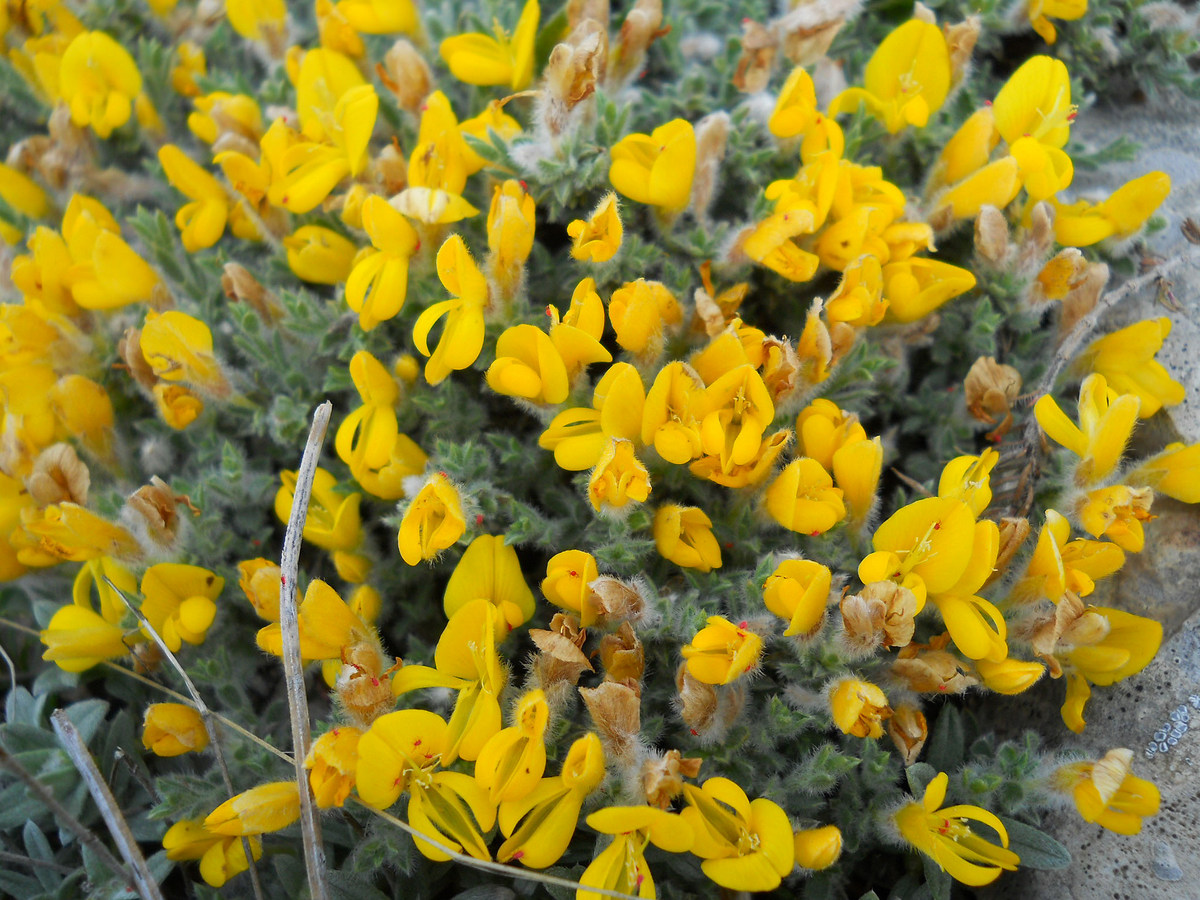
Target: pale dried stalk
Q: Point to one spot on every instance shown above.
(86, 836)
(206, 716)
(293, 665)
(144, 881)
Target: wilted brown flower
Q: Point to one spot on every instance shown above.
(616, 711)
(623, 657)
(908, 730)
(990, 389)
(662, 776)
(155, 504)
(59, 475)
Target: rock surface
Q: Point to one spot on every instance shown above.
(1163, 861)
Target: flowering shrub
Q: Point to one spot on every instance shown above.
(654, 535)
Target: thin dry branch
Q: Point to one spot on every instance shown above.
(71, 740)
(293, 665)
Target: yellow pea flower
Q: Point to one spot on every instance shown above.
(1009, 676)
(540, 825)
(320, 255)
(1174, 472)
(598, 238)
(268, 807)
(1107, 792)
(1035, 102)
(1124, 648)
(621, 866)
(618, 478)
(823, 429)
(856, 469)
(465, 660)
(72, 532)
(378, 284)
(945, 836)
(172, 729)
(528, 366)
(202, 222)
(802, 498)
(683, 534)
(576, 335)
(179, 601)
(1117, 513)
(640, 312)
(858, 300)
(1040, 13)
(78, 638)
(818, 848)
(858, 707)
(512, 761)
(28, 198)
(85, 411)
(178, 406)
(99, 81)
(796, 107)
(324, 78)
(433, 521)
(1059, 564)
(657, 168)
(259, 581)
(569, 575)
(1126, 210)
(674, 409)
(771, 242)
(104, 271)
(333, 521)
(906, 80)
(191, 63)
(327, 626)
(380, 16)
(968, 478)
(220, 113)
(257, 20)
(332, 762)
(745, 845)
(996, 184)
(221, 856)
(1126, 360)
(92, 575)
(722, 652)
(179, 347)
(916, 287)
(438, 167)
(483, 60)
(462, 335)
(579, 436)
(489, 568)
(798, 592)
(968, 150)
(510, 226)
(739, 411)
(1106, 421)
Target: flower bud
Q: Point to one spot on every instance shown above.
(818, 848)
(683, 535)
(991, 235)
(172, 729)
(268, 807)
(798, 592)
(1009, 676)
(259, 579)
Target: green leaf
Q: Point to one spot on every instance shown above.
(940, 883)
(1036, 848)
(919, 775)
(946, 745)
(39, 849)
(86, 716)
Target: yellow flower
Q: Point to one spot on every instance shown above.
(539, 826)
(621, 866)
(858, 300)
(268, 807)
(576, 335)
(746, 844)
(598, 238)
(257, 20)
(968, 150)
(325, 77)
(1106, 421)
(671, 417)
(1035, 102)
(172, 729)
(818, 848)
(1126, 360)
(528, 366)
(179, 601)
(92, 574)
(378, 284)
(618, 478)
(479, 59)
(579, 436)
(1041, 11)
(802, 498)
(512, 761)
(104, 271)
(569, 575)
(823, 429)
(721, 652)
(70, 531)
(320, 255)
(906, 80)
(657, 168)
(202, 222)
(916, 287)
(332, 762)
(1009, 676)
(327, 626)
(995, 184)
(178, 406)
(683, 534)
(639, 312)
(1117, 513)
(333, 521)
(465, 661)
(179, 347)
(221, 857)
(1108, 793)
(798, 592)
(489, 568)
(220, 113)
(1174, 472)
(191, 63)
(99, 80)
(78, 638)
(462, 335)
(433, 521)
(856, 469)
(858, 707)
(1059, 564)
(796, 107)
(25, 196)
(945, 836)
(510, 226)
(771, 244)
(1124, 648)
(739, 411)
(259, 581)
(380, 16)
